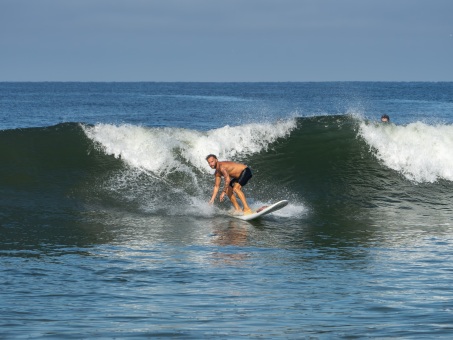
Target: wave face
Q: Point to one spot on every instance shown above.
(331, 168)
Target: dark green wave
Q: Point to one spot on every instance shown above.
(323, 165)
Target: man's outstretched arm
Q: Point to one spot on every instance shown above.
(216, 189)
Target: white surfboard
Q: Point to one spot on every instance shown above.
(264, 210)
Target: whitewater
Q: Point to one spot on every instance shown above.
(420, 152)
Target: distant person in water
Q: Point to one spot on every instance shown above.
(385, 119)
(235, 175)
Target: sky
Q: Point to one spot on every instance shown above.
(226, 40)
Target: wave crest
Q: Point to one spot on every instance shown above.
(421, 152)
(165, 150)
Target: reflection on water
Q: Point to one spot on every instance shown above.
(230, 233)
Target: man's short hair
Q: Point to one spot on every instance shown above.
(211, 155)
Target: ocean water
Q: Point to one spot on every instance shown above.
(106, 231)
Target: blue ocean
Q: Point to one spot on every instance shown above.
(106, 231)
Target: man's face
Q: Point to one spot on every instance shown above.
(212, 162)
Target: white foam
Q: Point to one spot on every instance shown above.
(136, 145)
(165, 150)
(200, 207)
(421, 152)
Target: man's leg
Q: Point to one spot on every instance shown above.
(238, 190)
(233, 199)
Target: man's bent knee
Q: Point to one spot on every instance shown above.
(237, 187)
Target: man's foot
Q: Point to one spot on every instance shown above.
(248, 212)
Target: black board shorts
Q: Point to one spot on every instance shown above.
(245, 176)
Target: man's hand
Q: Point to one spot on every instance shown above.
(222, 196)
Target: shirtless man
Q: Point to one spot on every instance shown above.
(236, 175)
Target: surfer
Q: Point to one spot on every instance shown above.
(235, 175)
(385, 118)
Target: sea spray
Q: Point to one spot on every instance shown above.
(232, 142)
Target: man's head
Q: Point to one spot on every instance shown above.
(385, 119)
(212, 160)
